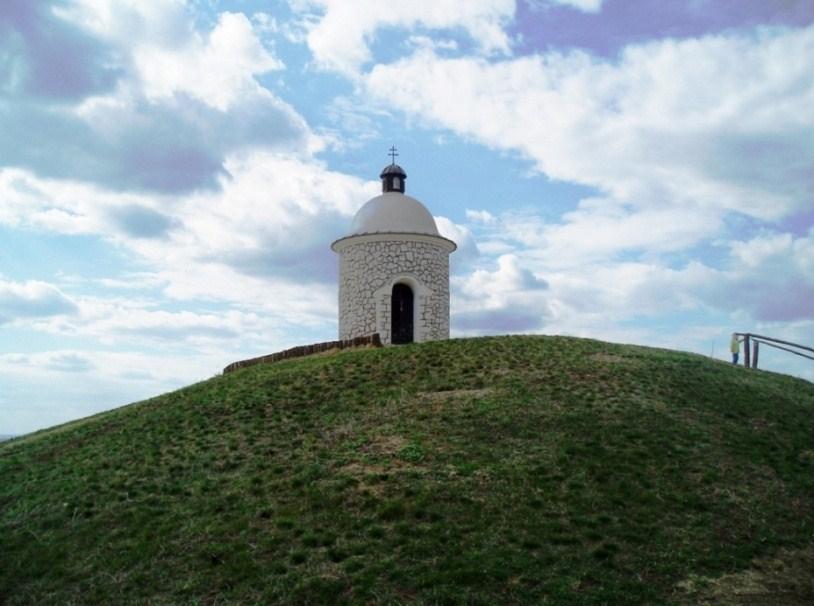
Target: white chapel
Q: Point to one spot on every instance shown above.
(394, 269)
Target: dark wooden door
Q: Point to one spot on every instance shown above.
(401, 327)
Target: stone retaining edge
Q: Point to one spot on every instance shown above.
(306, 350)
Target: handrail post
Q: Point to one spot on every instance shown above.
(751, 347)
(746, 357)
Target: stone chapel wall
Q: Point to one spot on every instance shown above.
(371, 266)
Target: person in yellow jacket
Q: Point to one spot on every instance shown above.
(735, 347)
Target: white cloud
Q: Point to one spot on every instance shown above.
(265, 23)
(763, 280)
(508, 298)
(602, 228)
(467, 251)
(588, 6)
(218, 68)
(509, 277)
(32, 299)
(267, 232)
(109, 320)
(69, 362)
(340, 32)
(711, 123)
(621, 291)
(141, 99)
(765, 247)
(426, 42)
(261, 240)
(63, 206)
(42, 388)
(481, 216)
(771, 277)
(163, 21)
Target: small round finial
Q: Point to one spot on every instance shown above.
(393, 175)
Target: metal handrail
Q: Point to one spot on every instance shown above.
(750, 361)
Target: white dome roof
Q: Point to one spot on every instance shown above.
(393, 212)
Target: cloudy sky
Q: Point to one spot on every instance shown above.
(172, 174)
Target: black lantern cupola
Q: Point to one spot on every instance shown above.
(393, 176)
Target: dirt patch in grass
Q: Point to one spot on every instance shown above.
(75, 443)
(338, 433)
(371, 477)
(455, 394)
(785, 578)
(609, 358)
(385, 445)
(360, 470)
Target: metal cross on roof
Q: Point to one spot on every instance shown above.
(393, 154)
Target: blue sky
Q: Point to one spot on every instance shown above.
(172, 175)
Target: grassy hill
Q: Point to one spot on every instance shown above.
(478, 471)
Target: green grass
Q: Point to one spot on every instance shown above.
(481, 471)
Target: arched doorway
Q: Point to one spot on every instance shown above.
(401, 320)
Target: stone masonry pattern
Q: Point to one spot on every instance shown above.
(366, 267)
